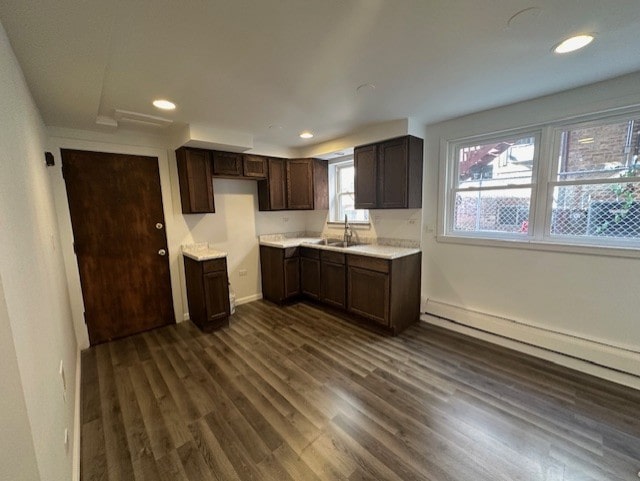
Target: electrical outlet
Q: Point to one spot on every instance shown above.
(285, 219)
(412, 221)
(242, 272)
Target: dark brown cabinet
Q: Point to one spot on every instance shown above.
(272, 193)
(254, 166)
(333, 279)
(227, 163)
(384, 291)
(207, 292)
(310, 272)
(194, 176)
(294, 184)
(388, 175)
(280, 269)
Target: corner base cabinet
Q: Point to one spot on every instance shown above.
(208, 292)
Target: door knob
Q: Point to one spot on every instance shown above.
(162, 252)
(159, 226)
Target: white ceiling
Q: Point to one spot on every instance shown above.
(243, 65)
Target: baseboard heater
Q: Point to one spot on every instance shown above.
(616, 363)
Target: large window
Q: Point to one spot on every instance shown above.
(342, 195)
(582, 189)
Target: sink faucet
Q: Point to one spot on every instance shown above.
(348, 233)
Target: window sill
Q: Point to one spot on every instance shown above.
(540, 245)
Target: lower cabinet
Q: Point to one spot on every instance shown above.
(333, 279)
(208, 292)
(280, 269)
(383, 291)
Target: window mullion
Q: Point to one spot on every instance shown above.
(541, 200)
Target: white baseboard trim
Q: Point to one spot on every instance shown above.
(247, 299)
(620, 364)
(77, 427)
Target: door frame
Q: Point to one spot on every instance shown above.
(66, 232)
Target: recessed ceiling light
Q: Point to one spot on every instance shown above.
(164, 104)
(574, 43)
(306, 135)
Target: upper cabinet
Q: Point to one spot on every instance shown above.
(254, 166)
(388, 175)
(307, 184)
(272, 194)
(283, 184)
(227, 163)
(196, 188)
(294, 184)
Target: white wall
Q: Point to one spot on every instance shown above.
(582, 305)
(35, 289)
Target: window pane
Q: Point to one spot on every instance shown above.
(493, 211)
(599, 152)
(603, 210)
(499, 163)
(346, 180)
(347, 208)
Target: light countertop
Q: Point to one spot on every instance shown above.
(371, 250)
(202, 252)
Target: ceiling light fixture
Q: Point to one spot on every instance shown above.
(164, 104)
(574, 43)
(306, 135)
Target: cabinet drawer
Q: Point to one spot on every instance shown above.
(309, 253)
(371, 263)
(329, 256)
(214, 265)
(291, 252)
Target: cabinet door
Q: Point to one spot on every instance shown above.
(194, 176)
(300, 184)
(393, 164)
(272, 192)
(291, 277)
(368, 294)
(332, 287)
(227, 163)
(310, 277)
(254, 166)
(366, 177)
(216, 289)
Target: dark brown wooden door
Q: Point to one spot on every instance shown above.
(120, 242)
(392, 172)
(300, 184)
(365, 163)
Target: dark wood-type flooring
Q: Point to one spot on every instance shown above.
(295, 393)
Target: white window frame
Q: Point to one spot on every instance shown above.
(452, 169)
(335, 193)
(544, 180)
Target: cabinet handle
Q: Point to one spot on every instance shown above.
(162, 252)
